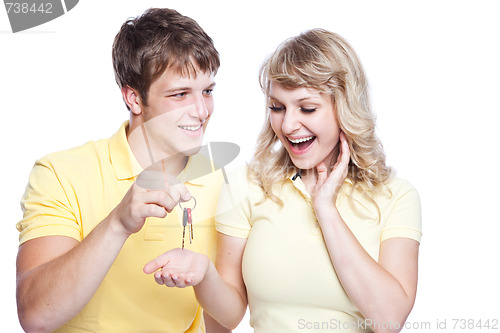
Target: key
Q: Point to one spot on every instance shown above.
(190, 223)
(187, 221)
(184, 224)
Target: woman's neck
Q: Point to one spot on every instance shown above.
(310, 176)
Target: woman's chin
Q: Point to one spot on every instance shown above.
(303, 165)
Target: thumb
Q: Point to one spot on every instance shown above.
(157, 263)
(322, 173)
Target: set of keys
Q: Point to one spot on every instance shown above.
(187, 221)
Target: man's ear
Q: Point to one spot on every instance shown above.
(132, 99)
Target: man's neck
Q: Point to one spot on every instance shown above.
(146, 154)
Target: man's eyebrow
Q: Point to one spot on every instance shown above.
(176, 89)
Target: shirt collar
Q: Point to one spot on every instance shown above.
(121, 156)
(299, 185)
(196, 168)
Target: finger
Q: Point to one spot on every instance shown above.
(151, 210)
(160, 198)
(168, 280)
(322, 173)
(188, 280)
(342, 136)
(158, 278)
(182, 191)
(145, 210)
(193, 280)
(344, 154)
(157, 263)
(164, 278)
(345, 158)
(341, 147)
(174, 194)
(180, 282)
(339, 171)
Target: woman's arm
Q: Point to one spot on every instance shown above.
(220, 291)
(383, 291)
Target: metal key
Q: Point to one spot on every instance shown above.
(187, 220)
(190, 223)
(184, 224)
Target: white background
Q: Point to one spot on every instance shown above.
(434, 73)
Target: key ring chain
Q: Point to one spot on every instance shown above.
(180, 205)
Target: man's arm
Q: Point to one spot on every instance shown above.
(57, 275)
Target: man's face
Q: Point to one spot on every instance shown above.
(177, 113)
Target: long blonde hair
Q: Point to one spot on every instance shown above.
(323, 61)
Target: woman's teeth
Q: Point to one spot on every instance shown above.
(301, 139)
(191, 128)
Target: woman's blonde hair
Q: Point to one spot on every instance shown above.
(323, 61)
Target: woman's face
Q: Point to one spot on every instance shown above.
(304, 120)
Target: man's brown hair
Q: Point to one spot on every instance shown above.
(160, 38)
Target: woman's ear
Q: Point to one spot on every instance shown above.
(132, 99)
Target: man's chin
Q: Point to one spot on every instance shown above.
(192, 151)
(193, 147)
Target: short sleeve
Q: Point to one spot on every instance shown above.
(405, 219)
(46, 208)
(233, 210)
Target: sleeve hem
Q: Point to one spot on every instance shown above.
(49, 231)
(400, 232)
(232, 231)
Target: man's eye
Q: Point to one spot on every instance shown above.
(182, 94)
(208, 92)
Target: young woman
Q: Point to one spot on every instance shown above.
(316, 233)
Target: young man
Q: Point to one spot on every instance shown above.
(88, 228)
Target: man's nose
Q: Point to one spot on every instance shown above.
(201, 107)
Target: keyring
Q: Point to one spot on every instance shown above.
(192, 197)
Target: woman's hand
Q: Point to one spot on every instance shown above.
(327, 186)
(178, 268)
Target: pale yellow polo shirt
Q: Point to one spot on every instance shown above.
(70, 192)
(291, 283)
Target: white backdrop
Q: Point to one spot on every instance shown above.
(434, 73)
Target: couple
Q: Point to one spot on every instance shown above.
(315, 233)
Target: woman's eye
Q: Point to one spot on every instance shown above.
(308, 110)
(276, 108)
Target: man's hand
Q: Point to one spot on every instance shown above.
(140, 203)
(178, 268)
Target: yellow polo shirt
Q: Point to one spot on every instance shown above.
(70, 192)
(291, 283)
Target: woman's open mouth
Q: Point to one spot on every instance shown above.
(301, 145)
